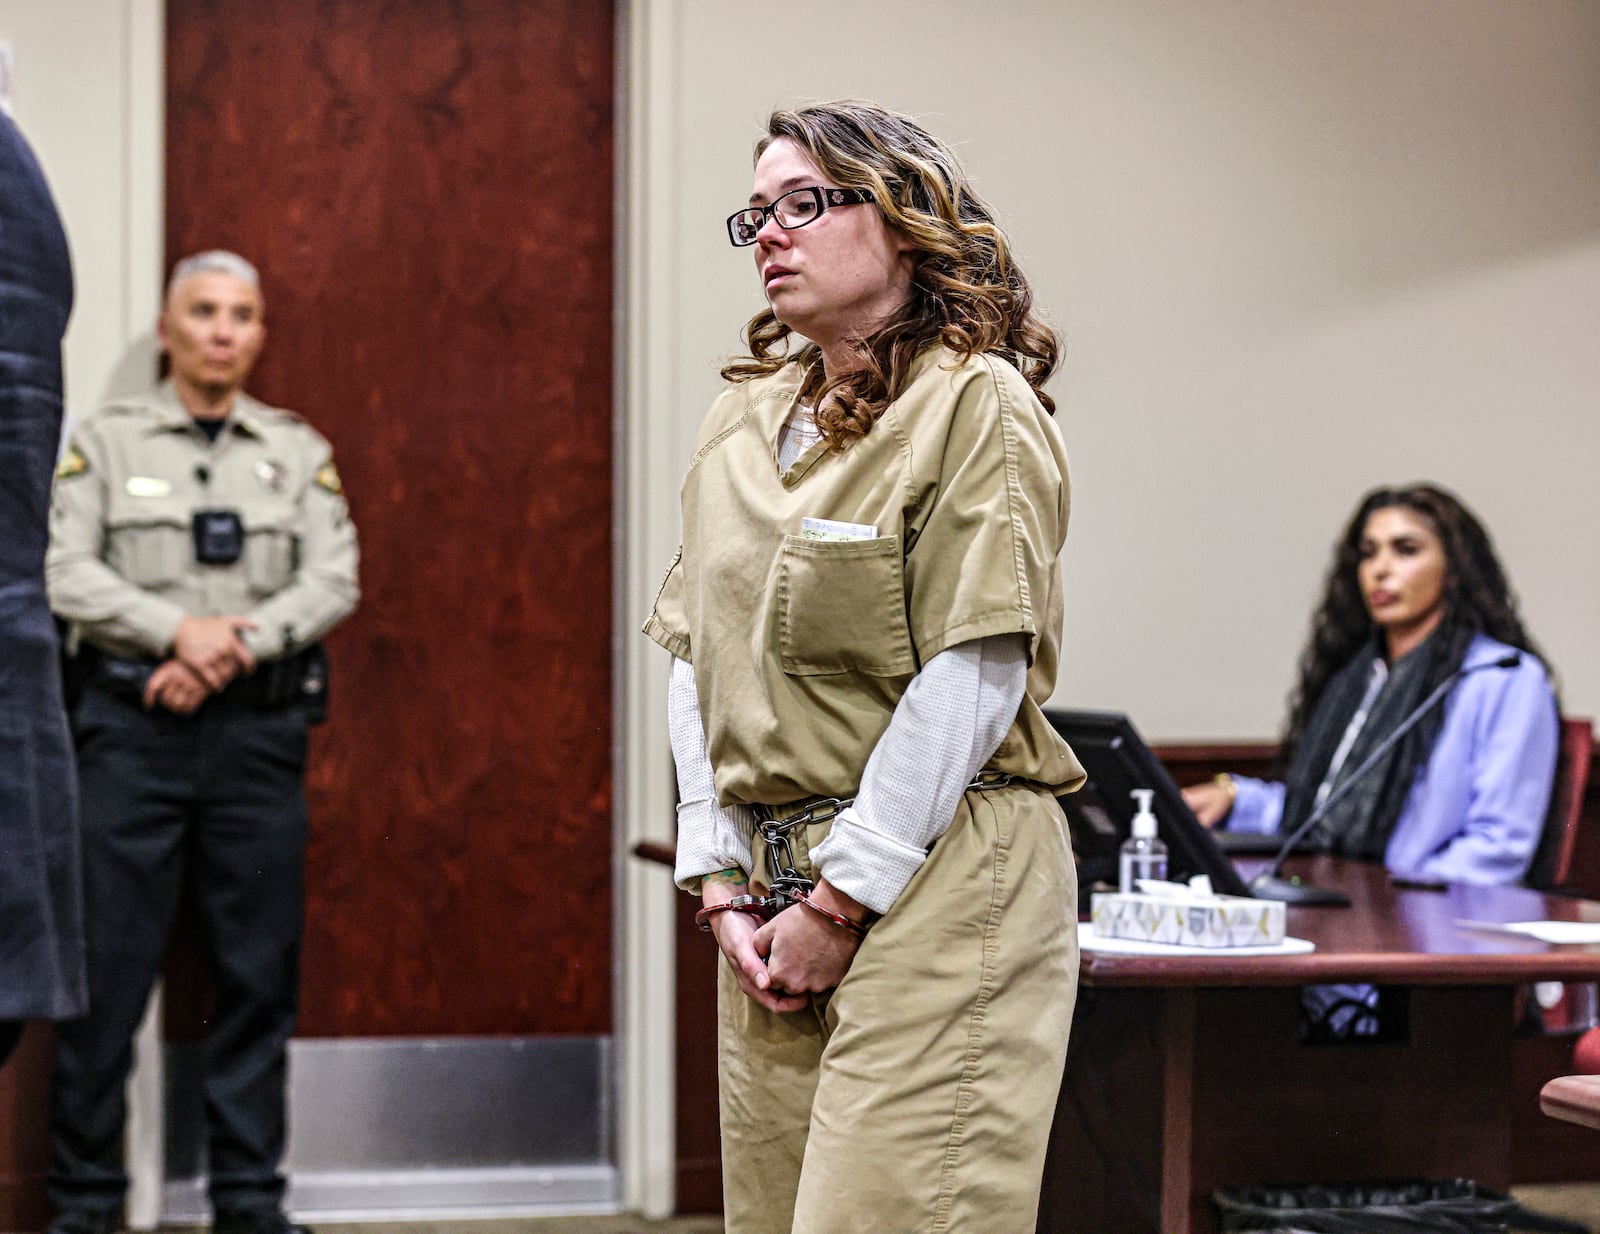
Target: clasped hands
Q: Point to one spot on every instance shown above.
(207, 653)
(781, 962)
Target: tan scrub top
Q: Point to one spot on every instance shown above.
(802, 647)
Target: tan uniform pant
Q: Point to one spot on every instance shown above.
(919, 1095)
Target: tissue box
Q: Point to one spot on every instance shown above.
(1187, 919)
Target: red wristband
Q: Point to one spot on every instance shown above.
(838, 919)
(739, 904)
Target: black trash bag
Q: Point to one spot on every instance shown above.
(1405, 1206)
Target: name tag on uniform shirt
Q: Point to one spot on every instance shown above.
(827, 529)
(148, 486)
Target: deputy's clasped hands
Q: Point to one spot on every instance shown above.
(207, 653)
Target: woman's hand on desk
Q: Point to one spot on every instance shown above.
(1211, 802)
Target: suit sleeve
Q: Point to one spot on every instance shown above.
(1516, 738)
(1258, 806)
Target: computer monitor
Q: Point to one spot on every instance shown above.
(1100, 813)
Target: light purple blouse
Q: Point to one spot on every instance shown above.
(1477, 808)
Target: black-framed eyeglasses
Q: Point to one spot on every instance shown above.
(794, 209)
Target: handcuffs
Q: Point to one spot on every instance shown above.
(790, 887)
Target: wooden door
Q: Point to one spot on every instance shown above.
(426, 186)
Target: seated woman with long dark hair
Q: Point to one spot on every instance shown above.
(1415, 593)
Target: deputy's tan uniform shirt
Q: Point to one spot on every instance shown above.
(121, 564)
(803, 647)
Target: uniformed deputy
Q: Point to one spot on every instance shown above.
(200, 546)
(865, 617)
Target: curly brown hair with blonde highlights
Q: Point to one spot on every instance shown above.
(967, 292)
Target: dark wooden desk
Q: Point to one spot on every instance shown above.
(1186, 1074)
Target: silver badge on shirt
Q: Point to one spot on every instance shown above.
(272, 474)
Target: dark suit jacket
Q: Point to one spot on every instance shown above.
(41, 897)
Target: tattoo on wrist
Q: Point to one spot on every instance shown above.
(733, 877)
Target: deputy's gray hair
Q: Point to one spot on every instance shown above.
(214, 261)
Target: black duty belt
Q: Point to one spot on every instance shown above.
(785, 879)
(298, 680)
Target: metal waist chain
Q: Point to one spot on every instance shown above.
(788, 885)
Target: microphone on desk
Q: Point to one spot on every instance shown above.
(1270, 886)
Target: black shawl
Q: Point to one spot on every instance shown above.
(1360, 824)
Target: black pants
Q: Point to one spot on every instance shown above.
(215, 798)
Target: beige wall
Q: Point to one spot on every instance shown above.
(88, 89)
(1297, 249)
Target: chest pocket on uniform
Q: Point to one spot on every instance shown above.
(148, 540)
(842, 607)
(271, 546)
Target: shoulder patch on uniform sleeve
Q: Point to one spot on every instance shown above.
(327, 477)
(72, 464)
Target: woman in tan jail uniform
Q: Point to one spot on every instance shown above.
(865, 617)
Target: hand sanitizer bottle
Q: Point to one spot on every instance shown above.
(1143, 855)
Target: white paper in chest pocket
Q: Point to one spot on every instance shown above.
(827, 529)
